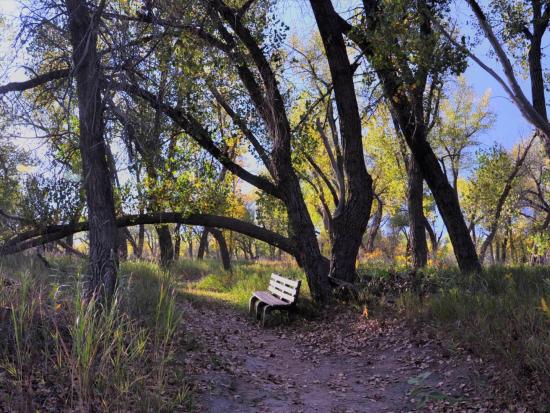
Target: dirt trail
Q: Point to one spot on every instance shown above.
(342, 363)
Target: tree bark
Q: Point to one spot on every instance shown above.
(177, 241)
(203, 244)
(224, 252)
(165, 245)
(353, 211)
(103, 264)
(415, 197)
(374, 226)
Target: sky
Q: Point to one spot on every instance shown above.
(509, 127)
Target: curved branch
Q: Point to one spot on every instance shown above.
(34, 82)
(34, 238)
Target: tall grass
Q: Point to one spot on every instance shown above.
(87, 356)
(495, 315)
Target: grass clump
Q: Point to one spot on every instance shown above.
(60, 352)
(496, 315)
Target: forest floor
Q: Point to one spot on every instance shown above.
(340, 362)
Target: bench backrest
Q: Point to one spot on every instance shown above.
(284, 288)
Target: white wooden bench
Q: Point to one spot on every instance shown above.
(282, 294)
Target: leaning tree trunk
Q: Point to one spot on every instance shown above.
(410, 117)
(103, 264)
(448, 205)
(224, 252)
(433, 237)
(165, 245)
(538, 89)
(415, 197)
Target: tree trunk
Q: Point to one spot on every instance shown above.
(433, 237)
(537, 83)
(504, 250)
(407, 109)
(122, 242)
(203, 244)
(224, 252)
(177, 241)
(374, 227)
(309, 255)
(103, 264)
(415, 197)
(447, 203)
(141, 241)
(491, 254)
(165, 245)
(352, 214)
(190, 247)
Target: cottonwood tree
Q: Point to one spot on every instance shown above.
(462, 119)
(410, 65)
(269, 103)
(493, 190)
(515, 31)
(233, 35)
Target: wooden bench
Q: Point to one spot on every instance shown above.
(282, 294)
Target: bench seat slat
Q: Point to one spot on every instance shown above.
(270, 299)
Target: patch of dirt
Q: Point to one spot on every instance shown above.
(343, 362)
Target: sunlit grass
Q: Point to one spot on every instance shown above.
(236, 287)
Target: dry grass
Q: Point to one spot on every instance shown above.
(497, 316)
(60, 352)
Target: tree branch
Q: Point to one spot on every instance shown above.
(34, 82)
(192, 127)
(34, 238)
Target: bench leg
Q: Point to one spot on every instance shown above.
(267, 310)
(252, 305)
(258, 306)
